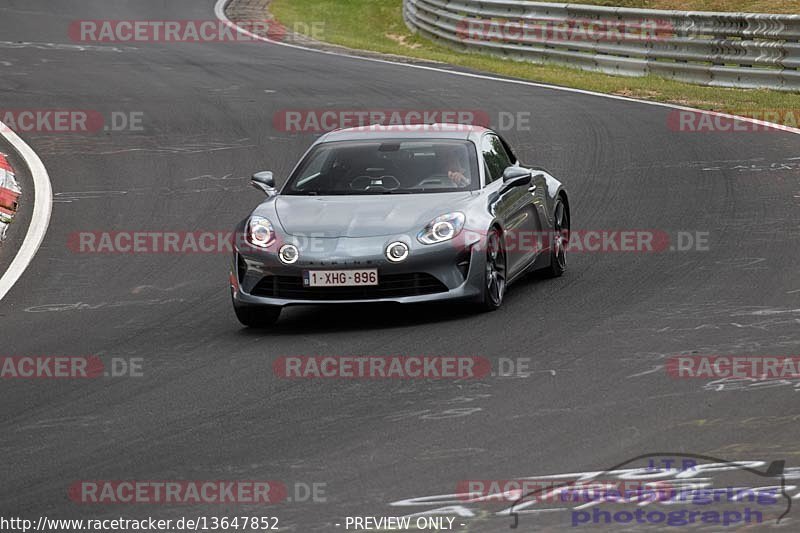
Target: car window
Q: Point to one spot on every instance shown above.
(390, 166)
(495, 155)
(313, 169)
(511, 156)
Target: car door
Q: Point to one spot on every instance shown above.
(516, 207)
(538, 190)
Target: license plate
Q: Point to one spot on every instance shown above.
(340, 278)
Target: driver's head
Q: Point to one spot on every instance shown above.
(455, 159)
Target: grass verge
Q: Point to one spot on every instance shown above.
(789, 7)
(377, 25)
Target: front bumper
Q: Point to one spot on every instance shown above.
(449, 271)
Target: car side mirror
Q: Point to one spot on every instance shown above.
(264, 182)
(516, 177)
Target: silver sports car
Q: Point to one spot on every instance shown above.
(437, 212)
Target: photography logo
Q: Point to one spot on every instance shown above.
(677, 472)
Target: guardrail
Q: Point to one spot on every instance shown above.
(719, 49)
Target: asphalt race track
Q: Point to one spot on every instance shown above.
(208, 405)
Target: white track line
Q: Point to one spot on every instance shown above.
(219, 11)
(42, 206)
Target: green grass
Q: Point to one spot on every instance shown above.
(790, 7)
(377, 25)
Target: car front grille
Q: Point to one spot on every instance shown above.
(389, 286)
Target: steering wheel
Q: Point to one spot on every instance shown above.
(369, 183)
(434, 180)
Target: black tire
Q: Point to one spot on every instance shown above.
(261, 316)
(494, 283)
(558, 249)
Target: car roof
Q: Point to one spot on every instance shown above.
(405, 131)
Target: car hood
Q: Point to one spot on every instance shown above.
(365, 215)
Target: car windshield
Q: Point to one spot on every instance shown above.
(386, 167)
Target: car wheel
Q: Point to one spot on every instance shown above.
(558, 251)
(257, 316)
(494, 286)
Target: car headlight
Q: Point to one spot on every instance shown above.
(397, 251)
(259, 232)
(442, 228)
(289, 254)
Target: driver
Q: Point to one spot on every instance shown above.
(455, 165)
